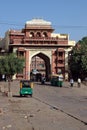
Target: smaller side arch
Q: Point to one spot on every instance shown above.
(44, 34)
(31, 34)
(38, 34)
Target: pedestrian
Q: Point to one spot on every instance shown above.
(60, 80)
(71, 82)
(43, 79)
(3, 77)
(79, 82)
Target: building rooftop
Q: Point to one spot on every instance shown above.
(38, 21)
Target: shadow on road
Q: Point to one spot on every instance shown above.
(18, 96)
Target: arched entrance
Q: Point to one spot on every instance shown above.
(41, 60)
(37, 39)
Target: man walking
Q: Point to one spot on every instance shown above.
(79, 82)
(71, 82)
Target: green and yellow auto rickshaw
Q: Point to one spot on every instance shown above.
(57, 80)
(26, 88)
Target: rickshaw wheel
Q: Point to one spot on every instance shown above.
(30, 95)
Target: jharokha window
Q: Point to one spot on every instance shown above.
(60, 54)
(20, 53)
(45, 34)
(60, 61)
(38, 34)
(31, 34)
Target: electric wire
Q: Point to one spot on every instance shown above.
(56, 26)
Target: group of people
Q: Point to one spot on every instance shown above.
(43, 79)
(78, 82)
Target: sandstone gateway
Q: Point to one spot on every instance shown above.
(37, 38)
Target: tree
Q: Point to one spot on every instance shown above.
(10, 65)
(78, 59)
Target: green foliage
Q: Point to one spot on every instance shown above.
(78, 60)
(11, 64)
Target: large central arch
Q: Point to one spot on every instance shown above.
(47, 61)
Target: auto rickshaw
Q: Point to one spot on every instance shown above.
(57, 80)
(26, 88)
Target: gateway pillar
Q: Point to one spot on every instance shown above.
(27, 68)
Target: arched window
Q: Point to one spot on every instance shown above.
(38, 34)
(31, 34)
(45, 34)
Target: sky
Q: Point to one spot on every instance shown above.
(66, 16)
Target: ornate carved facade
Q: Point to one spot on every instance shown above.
(37, 39)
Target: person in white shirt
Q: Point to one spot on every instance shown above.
(71, 82)
(79, 82)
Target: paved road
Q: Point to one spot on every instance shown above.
(72, 101)
(51, 108)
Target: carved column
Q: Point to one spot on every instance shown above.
(53, 65)
(27, 67)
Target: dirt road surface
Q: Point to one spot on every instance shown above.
(26, 113)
